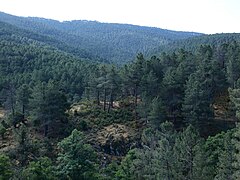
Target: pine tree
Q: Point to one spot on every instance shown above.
(113, 84)
(225, 169)
(236, 143)
(213, 147)
(126, 168)
(5, 167)
(23, 97)
(164, 158)
(235, 99)
(38, 170)
(49, 107)
(135, 78)
(102, 85)
(233, 63)
(149, 84)
(199, 94)
(186, 150)
(76, 159)
(25, 149)
(172, 96)
(157, 114)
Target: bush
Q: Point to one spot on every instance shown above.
(39, 170)
(3, 130)
(5, 167)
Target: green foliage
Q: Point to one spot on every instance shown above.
(76, 159)
(5, 167)
(49, 107)
(94, 116)
(213, 147)
(199, 92)
(186, 148)
(116, 43)
(194, 43)
(225, 168)
(233, 64)
(109, 172)
(157, 114)
(3, 130)
(166, 155)
(41, 74)
(235, 99)
(26, 149)
(236, 161)
(83, 125)
(38, 170)
(23, 97)
(125, 170)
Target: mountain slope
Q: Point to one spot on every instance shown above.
(118, 43)
(23, 59)
(8, 31)
(193, 44)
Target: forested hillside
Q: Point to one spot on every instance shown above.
(69, 116)
(118, 43)
(192, 44)
(13, 33)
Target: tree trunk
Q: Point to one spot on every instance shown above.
(23, 111)
(110, 101)
(135, 101)
(105, 99)
(98, 98)
(45, 129)
(168, 174)
(12, 102)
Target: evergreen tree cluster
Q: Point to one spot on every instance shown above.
(183, 106)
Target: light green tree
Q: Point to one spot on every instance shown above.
(76, 159)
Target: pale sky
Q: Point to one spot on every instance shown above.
(206, 16)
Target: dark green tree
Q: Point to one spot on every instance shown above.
(157, 114)
(235, 99)
(49, 107)
(135, 78)
(3, 130)
(233, 63)
(113, 84)
(102, 85)
(199, 94)
(5, 167)
(213, 147)
(126, 168)
(23, 97)
(225, 168)
(38, 170)
(236, 144)
(172, 93)
(164, 158)
(76, 159)
(188, 155)
(26, 150)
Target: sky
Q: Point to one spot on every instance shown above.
(205, 16)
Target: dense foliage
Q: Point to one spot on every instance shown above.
(118, 43)
(170, 116)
